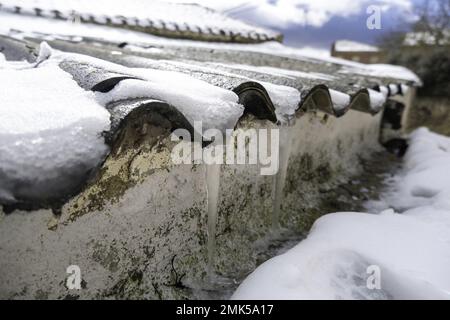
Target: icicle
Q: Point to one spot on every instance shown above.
(256, 185)
(280, 178)
(212, 184)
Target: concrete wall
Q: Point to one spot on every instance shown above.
(140, 229)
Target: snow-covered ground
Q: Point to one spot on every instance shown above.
(399, 249)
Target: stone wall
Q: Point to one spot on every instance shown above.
(140, 229)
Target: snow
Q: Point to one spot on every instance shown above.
(50, 128)
(32, 26)
(384, 91)
(195, 99)
(405, 88)
(50, 132)
(411, 248)
(135, 48)
(340, 100)
(192, 15)
(353, 46)
(280, 72)
(377, 99)
(285, 99)
(393, 88)
(45, 51)
(426, 177)
(383, 70)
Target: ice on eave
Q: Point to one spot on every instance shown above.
(284, 98)
(383, 71)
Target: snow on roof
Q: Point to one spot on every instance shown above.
(210, 82)
(177, 20)
(383, 70)
(51, 129)
(197, 100)
(353, 46)
(45, 29)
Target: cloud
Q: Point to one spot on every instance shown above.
(282, 14)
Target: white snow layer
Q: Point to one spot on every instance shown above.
(50, 128)
(49, 132)
(34, 27)
(279, 72)
(340, 100)
(411, 248)
(286, 99)
(382, 70)
(353, 46)
(138, 12)
(197, 100)
(377, 100)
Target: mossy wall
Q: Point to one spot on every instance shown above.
(140, 229)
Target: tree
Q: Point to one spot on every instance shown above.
(424, 47)
(433, 20)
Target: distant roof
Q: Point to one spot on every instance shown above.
(353, 46)
(160, 18)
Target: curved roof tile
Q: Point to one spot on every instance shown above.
(320, 84)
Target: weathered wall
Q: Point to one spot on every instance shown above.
(140, 230)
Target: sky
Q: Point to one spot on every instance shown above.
(315, 24)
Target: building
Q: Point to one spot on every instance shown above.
(139, 225)
(357, 51)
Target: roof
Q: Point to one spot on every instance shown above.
(353, 46)
(185, 81)
(177, 20)
(426, 38)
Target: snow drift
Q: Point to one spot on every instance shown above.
(411, 249)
